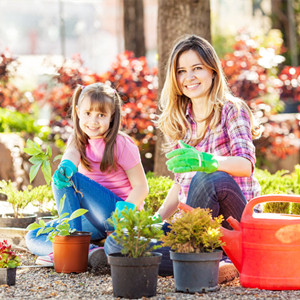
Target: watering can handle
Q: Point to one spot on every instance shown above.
(269, 198)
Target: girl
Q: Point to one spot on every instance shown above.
(212, 134)
(100, 167)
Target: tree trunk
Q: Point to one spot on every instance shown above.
(176, 18)
(284, 18)
(134, 36)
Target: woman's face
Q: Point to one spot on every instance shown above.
(92, 122)
(193, 78)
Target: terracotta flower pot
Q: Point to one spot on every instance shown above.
(71, 252)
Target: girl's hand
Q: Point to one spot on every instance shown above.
(63, 174)
(188, 159)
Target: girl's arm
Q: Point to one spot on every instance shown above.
(235, 165)
(171, 202)
(139, 184)
(71, 153)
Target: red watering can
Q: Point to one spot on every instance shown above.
(265, 247)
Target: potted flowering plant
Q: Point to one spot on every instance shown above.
(9, 261)
(194, 239)
(135, 230)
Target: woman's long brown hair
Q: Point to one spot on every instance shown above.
(103, 98)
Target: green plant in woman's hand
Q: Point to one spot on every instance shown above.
(188, 159)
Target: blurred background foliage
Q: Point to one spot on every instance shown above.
(255, 72)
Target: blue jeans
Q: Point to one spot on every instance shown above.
(217, 191)
(98, 200)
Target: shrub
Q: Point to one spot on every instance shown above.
(159, 187)
(282, 182)
(135, 230)
(194, 231)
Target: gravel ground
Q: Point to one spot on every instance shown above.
(44, 283)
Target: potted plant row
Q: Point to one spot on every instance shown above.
(9, 261)
(134, 271)
(70, 247)
(18, 201)
(194, 239)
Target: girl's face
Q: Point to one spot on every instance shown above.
(92, 122)
(193, 78)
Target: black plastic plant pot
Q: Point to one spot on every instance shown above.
(134, 277)
(8, 276)
(196, 272)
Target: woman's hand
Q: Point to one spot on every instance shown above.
(188, 159)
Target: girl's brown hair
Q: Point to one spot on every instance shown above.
(173, 103)
(103, 98)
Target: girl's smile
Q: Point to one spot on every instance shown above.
(91, 121)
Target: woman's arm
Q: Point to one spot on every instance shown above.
(171, 202)
(234, 165)
(139, 184)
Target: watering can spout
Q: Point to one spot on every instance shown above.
(233, 241)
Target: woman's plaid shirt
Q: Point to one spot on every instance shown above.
(232, 137)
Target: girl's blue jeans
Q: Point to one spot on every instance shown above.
(217, 191)
(98, 200)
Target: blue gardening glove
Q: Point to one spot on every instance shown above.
(121, 205)
(188, 159)
(64, 172)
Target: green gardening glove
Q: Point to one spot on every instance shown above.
(157, 218)
(188, 159)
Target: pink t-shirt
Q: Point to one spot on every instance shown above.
(127, 157)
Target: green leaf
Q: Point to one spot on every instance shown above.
(33, 226)
(77, 213)
(46, 169)
(64, 232)
(42, 223)
(49, 152)
(61, 204)
(63, 215)
(59, 156)
(33, 171)
(36, 159)
(48, 229)
(40, 232)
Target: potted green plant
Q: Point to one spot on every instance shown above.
(18, 201)
(134, 231)
(70, 247)
(9, 261)
(194, 239)
(43, 201)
